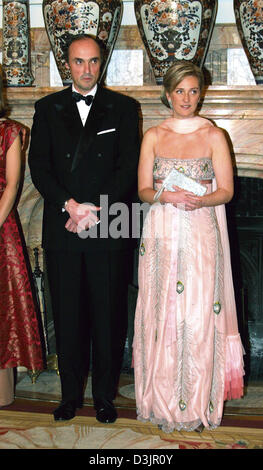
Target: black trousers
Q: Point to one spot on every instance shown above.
(89, 293)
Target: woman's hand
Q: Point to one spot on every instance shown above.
(182, 199)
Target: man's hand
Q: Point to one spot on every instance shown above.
(82, 216)
(71, 226)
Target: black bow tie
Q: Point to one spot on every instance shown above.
(78, 97)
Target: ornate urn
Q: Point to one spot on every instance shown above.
(100, 18)
(249, 21)
(175, 30)
(16, 43)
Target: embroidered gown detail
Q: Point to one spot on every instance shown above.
(188, 356)
(20, 343)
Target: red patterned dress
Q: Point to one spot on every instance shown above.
(20, 343)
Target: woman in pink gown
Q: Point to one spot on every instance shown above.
(20, 343)
(188, 356)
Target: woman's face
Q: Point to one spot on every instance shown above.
(184, 98)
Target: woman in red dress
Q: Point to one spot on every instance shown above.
(20, 343)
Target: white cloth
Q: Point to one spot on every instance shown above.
(82, 107)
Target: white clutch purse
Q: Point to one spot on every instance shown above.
(177, 178)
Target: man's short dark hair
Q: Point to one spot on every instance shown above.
(77, 37)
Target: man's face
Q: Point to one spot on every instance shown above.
(84, 62)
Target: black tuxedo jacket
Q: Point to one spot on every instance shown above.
(68, 160)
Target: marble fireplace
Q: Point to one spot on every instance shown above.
(239, 111)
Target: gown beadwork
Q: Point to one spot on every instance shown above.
(187, 352)
(20, 341)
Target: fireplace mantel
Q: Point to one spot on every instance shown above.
(238, 110)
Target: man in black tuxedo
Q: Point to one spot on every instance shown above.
(83, 159)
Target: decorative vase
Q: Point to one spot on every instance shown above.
(249, 21)
(16, 43)
(174, 30)
(64, 18)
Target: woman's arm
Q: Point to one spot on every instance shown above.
(13, 168)
(145, 168)
(145, 178)
(223, 170)
(222, 165)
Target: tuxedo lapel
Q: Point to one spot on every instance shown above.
(98, 111)
(67, 112)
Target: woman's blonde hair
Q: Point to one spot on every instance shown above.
(176, 73)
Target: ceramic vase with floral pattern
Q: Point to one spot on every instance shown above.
(249, 21)
(174, 30)
(63, 18)
(16, 43)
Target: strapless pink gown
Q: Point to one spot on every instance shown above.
(188, 356)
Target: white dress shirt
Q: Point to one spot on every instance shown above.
(82, 107)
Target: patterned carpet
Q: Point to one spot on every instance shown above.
(23, 430)
(28, 423)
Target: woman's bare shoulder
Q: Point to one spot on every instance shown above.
(151, 134)
(215, 133)
(204, 122)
